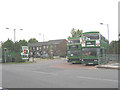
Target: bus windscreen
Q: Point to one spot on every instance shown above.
(90, 36)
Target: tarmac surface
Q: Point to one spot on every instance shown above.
(57, 74)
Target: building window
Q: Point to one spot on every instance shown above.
(44, 47)
(33, 48)
(47, 46)
(40, 48)
(37, 48)
(44, 52)
(55, 46)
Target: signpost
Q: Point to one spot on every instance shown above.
(5, 50)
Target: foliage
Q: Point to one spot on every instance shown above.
(32, 40)
(17, 47)
(63, 55)
(51, 47)
(114, 47)
(13, 50)
(23, 42)
(76, 33)
(9, 45)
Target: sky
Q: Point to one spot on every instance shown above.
(55, 18)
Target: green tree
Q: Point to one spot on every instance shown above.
(114, 47)
(76, 33)
(32, 40)
(9, 45)
(17, 47)
(52, 53)
(23, 42)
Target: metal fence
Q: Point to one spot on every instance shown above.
(113, 58)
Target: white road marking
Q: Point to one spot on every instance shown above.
(44, 73)
(99, 79)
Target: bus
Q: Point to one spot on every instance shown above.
(74, 50)
(94, 48)
(25, 53)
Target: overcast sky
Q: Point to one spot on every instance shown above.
(56, 18)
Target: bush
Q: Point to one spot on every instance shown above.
(63, 55)
(18, 58)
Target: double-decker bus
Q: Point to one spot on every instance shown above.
(74, 50)
(25, 53)
(94, 48)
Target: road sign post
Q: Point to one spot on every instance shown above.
(5, 50)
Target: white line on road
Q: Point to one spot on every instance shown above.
(44, 73)
(99, 79)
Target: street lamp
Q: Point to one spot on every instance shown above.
(119, 37)
(43, 36)
(107, 29)
(15, 33)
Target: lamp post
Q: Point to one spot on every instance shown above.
(107, 29)
(119, 37)
(43, 36)
(15, 33)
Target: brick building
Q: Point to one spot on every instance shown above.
(56, 47)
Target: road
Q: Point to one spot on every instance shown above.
(46, 74)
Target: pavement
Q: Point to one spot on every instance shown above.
(109, 66)
(67, 65)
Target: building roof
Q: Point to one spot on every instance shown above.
(46, 43)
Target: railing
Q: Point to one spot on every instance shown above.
(113, 58)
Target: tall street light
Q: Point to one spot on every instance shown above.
(119, 37)
(43, 36)
(107, 29)
(15, 33)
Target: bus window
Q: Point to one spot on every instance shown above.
(90, 36)
(90, 51)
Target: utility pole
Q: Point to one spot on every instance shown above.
(43, 36)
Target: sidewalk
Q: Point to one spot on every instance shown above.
(109, 66)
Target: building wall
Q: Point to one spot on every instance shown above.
(61, 48)
(45, 49)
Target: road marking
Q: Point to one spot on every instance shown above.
(99, 79)
(44, 73)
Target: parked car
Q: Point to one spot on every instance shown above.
(44, 56)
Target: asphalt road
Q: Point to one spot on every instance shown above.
(43, 75)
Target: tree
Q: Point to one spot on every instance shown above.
(9, 45)
(23, 42)
(32, 40)
(76, 33)
(114, 47)
(17, 47)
